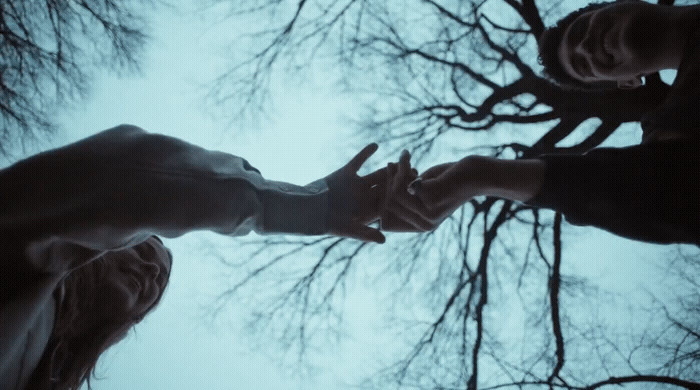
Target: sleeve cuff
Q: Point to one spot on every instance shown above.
(295, 210)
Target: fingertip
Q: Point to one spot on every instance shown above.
(361, 157)
(415, 186)
(379, 238)
(373, 235)
(370, 149)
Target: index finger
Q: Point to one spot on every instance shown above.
(404, 173)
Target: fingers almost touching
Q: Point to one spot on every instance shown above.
(403, 211)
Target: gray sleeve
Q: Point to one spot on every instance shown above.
(121, 186)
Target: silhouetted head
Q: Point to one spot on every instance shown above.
(103, 300)
(614, 44)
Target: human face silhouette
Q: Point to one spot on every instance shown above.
(134, 281)
(622, 43)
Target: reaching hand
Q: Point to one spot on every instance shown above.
(421, 203)
(356, 201)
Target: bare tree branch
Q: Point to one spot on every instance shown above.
(434, 69)
(48, 51)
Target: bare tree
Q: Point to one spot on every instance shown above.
(429, 68)
(48, 52)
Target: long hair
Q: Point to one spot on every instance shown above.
(78, 338)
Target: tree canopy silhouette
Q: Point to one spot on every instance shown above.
(48, 52)
(429, 70)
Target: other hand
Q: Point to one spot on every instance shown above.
(426, 201)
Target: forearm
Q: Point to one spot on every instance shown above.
(517, 180)
(445, 187)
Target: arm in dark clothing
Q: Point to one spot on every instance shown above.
(679, 113)
(119, 187)
(649, 192)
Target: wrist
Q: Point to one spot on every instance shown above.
(475, 176)
(296, 210)
(517, 180)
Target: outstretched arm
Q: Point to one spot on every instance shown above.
(423, 204)
(117, 188)
(645, 192)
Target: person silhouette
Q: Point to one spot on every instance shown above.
(79, 225)
(648, 192)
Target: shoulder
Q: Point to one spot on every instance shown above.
(116, 134)
(122, 131)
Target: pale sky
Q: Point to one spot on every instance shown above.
(173, 348)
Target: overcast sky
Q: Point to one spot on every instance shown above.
(174, 348)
